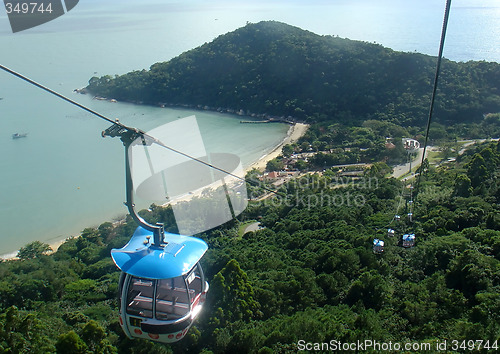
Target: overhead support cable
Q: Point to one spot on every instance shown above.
(436, 79)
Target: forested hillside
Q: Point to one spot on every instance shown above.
(276, 69)
(309, 274)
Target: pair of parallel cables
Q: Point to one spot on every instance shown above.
(431, 109)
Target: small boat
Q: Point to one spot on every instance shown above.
(19, 135)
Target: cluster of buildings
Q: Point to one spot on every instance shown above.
(410, 145)
(277, 178)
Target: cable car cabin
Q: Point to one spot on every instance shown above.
(408, 240)
(162, 289)
(378, 246)
(397, 217)
(390, 232)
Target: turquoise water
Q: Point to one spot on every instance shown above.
(64, 176)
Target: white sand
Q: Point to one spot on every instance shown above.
(54, 246)
(295, 132)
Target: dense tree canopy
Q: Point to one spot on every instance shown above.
(309, 274)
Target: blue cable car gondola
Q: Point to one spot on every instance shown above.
(163, 288)
(378, 246)
(408, 240)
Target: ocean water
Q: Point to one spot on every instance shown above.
(64, 177)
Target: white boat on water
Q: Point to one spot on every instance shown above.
(19, 135)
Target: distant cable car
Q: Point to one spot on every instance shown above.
(390, 232)
(408, 240)
(378, 246)
(397, 217)
(410, 216)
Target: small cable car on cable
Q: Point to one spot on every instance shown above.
(378, 246)
(408, 240)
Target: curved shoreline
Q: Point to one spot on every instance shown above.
(295, 132)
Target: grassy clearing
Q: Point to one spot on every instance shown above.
(243, 226)
(435, 157)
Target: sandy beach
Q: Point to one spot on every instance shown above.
(295, 132)
(53, 245)
(56, 242)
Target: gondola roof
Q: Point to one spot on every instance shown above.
(408, 237)
(176, 258)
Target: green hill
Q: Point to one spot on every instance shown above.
(277, 69)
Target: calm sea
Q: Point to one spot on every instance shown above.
(64, 176)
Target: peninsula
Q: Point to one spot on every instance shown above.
(271, 69)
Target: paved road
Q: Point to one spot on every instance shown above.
(400, 170)
(467, 143)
